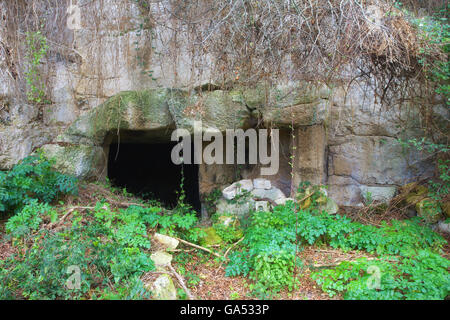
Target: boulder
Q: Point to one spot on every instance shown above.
(272, 194)
(260, 183)
(163, 288)
(244, 185)
(211, 237)
(378, 194)
(429, 210)
(229, 193)
(161, 259)
(443, 227)
(169, 242)
(237, 188)
(240, 209)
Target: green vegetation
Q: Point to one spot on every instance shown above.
(36, 50)
(33, 179)
(407, 254)
(109, 247)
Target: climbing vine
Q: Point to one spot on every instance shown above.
(36, 51)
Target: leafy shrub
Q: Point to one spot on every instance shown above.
(33, 178)
(28, 219)
(269, 254)
(107, 248)
(271, 242)
(238, 265)
(422, 276)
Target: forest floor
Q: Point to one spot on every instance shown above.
(206, 276)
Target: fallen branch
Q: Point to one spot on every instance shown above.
(198, 247)
(235, 244)
(182, 284)
(64, 217)
(228, 250)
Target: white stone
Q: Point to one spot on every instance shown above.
(161, 259)
(443, 227)
(163, 288)
(261, 183)
(229, 192)
(169, 242)
(226, 220)
(237, 188)
(244, 185)
(262, 206)
(379, 194)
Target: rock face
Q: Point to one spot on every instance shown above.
(101, 92)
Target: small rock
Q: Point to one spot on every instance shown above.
(163, 288)
(443, 227)
(261, 183)
(229, 192)
(244, 185)
(330, 206)
(226, 220)
(262, 206)
(161, 259)
(169, 242)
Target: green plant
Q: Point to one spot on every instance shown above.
(36, 50)
(238, 265)
(418, 277)
(28, 219)
(440, 185)
(108, 247)
(210, 200)
(269, 250)
(33, 178)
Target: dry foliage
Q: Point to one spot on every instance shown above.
(240, 42)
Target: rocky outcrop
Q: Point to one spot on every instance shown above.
(101, 90)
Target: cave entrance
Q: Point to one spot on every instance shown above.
(147, 170)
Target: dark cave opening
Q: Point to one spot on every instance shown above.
(147, 170)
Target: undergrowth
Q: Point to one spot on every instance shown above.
(408, 263)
